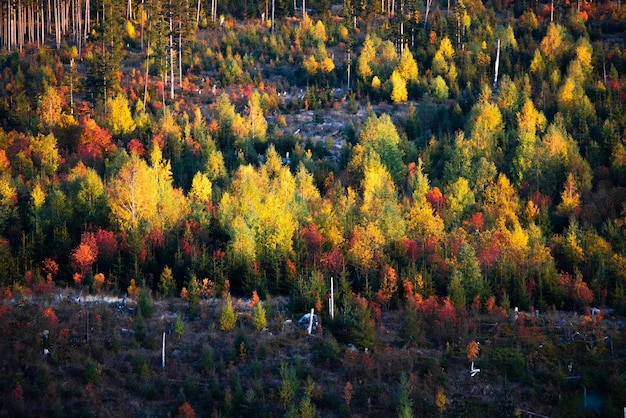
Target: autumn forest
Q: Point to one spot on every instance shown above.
(447, 166)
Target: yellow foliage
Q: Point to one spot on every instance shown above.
(552, 42)
(327, 65)
(399, 93)
(120, 120)
(446, 49)
(310, 65)
(407, 67)
(38, 196)
(201, 189)
(537, 66)
(376, 83)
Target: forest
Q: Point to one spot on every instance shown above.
(441, 166)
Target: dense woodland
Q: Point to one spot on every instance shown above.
(482, 166)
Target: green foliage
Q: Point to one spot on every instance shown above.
(144, 300)
(258, 317)
(91, 372)
(179, 326)
(228, 319)
(405, 404)
(167, 284)
(289, 385)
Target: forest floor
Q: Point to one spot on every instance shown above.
(96, 356)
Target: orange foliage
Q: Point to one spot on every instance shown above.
(51, 316)
(78, 279)
(254, 300)
(133, 289)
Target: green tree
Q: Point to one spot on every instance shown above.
(179, 326)
(258, 317)
(228, 319)
(379, 135)
(167, 284)
(405, 404)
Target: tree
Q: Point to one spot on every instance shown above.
(405, 404)
(553, 43)
(49, 109)
(399, 93)
(228, 320)
(471, 350)
(407, 67)
(167, 284)
(258, 317)
(179, 326)
(94, 142)
(133, 195)
(439, 89)
(379, 135)
(45, 153)
(120, 120)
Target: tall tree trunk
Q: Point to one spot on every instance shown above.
(171, 53)
(428, 3)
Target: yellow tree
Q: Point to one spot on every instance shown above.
(366, 59)
(120, 120)
(133, 194)
(553, 42)
(399, 93)
(45, 153)
(407, 67)
(502, 203)
(49, 109)
(380, 205)
(422, 222)
(172, 205)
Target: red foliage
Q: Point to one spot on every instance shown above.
(576, 290)
(218, 255)
(83, 257)
(540, 200)
(8, 295)
(313, 240)
(290, 269)
(95, 142)
(332, 261)
(155, 239)
(49, 268)
(186, 411)
(477, 221)
(435, 198)
(4, 309)
(107, 245)
(488, 256)
(136, 147)
(43, 287)
(408, 288)
(18, 393)
(411, 249)
(347, 393)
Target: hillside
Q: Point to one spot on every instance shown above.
(456, 170)
(99, 356)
